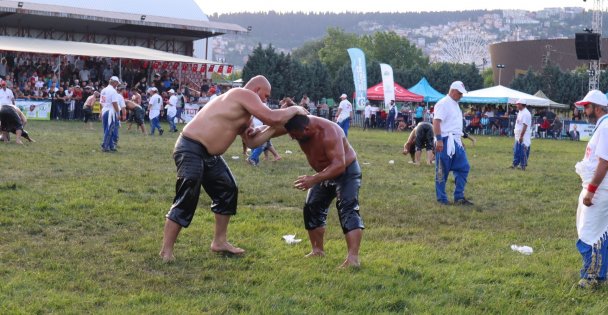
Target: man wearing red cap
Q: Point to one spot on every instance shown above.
(592, 212)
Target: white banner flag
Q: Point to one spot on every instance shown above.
(388, 84)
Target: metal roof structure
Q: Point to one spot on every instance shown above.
(56, 18)
(59, 47)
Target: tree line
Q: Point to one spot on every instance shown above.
(322, 68)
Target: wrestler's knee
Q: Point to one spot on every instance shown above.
(226, 201)
(349, 215)
(186, 199)
(314, 216)
(182, 217)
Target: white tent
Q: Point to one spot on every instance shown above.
(506, 94)
(552, 104)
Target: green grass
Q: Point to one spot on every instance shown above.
(80, 231)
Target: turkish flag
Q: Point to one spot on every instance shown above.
(194, 67)
(229, 69)
(156, 65)
(203, 68)
(165, 65)
(175, 65)
(184, 66)
(145, 64)
(220, 69)
(211, 68)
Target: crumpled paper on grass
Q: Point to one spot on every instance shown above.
(291, 239)
(526, 250)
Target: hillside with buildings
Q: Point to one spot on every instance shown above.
(444, 36)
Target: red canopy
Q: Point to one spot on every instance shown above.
(376, 93)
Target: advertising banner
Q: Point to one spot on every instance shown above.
(357, 59)
(585, 130)
(388, 83)
(189, 112)
(35, 109)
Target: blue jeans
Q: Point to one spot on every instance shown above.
(109, 128)
(255, 154)
(595, 260)
(458, 164)
(116, 129)
(171, 123)
(521, 153)
(390, 123)
(155, 124)
(345, 124)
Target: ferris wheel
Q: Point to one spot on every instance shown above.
(465, 47)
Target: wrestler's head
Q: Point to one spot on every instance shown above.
(260, 86)
(298, 128)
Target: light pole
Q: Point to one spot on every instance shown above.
(500, 67)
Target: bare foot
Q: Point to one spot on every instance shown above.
(315, 253)
(226, 248)
(167, 258)
(278, 158)
(350, 263)
(18, 141)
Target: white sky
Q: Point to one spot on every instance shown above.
(230, 6)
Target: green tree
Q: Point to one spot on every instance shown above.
(488, 77)
(392, 49)
(309, 52)
(320, 85)
(527, 82)
(334, 52)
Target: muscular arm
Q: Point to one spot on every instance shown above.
(21, 115)
(410, 141)
(437, 131)
(334, 150)
(251, 102)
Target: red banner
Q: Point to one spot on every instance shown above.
(220, 69)
(165, 65)
(211, 68)
(184, 66)
(229, 69)
(203, 68)
(195, 67)
(156, 65)
(175, 65)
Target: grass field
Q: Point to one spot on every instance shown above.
(80, 232)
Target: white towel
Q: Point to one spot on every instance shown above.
(592, 222)
(453, 140)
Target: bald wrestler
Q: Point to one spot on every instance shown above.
(198, 158)
(338, 176)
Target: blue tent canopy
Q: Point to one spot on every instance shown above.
(425, 89)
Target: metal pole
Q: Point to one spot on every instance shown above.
(180, 76)
(120, 68)
(499, 75)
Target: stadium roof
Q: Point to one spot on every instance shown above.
(69, 19)
(59, 47)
